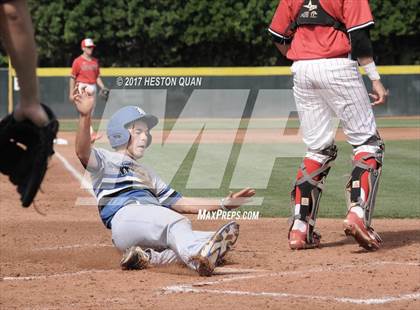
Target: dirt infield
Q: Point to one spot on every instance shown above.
(65, 260)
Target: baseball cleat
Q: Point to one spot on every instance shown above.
(212, 253)
(134, 258)
(298, 240)
(366, 237)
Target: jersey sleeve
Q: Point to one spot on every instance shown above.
(357, 14)
(75, 69)
(279, 27)
(98, 166)
(166, 195)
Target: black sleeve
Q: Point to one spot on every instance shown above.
(361, 46)
(278, 38)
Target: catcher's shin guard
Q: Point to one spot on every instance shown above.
(309, 186)
(369, 162)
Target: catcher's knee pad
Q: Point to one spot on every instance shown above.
(373, 149)
(311, 186)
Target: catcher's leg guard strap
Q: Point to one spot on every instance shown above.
(311, 186)
(373, 150)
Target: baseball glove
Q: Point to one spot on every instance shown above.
(104, 93)
(25, 150)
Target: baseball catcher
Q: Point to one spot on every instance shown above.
(26, 149)
(142, 211)
(327, 40)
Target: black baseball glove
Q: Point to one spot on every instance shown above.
(104, 93)
(25, 149)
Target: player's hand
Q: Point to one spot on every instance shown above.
(83, 100)
(235, 200)
(379, 93)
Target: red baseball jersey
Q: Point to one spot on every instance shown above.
(84, 70)
(316, 41)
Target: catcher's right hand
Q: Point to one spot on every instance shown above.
(26, 149)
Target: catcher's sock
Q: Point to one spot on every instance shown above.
(310, 165)
(364, 180)
(357, 210)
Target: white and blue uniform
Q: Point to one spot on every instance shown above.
(135, 203)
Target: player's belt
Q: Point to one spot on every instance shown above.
(346, 55)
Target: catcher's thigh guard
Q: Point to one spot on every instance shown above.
(375, 149)
(311, 187)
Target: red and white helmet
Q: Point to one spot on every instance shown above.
(88, 42)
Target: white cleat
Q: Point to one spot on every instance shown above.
(134, 258)
(212, 253)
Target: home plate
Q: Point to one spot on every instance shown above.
(60, 141)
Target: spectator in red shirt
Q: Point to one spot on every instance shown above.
(85, 74)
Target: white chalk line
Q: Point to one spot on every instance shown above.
(230, 270)
(82, 272)
(368, 301)
(54, 275)
(192, 287)
(294, 272)
(75, 246)
(84, 183)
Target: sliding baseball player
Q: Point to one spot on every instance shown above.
(143, 212)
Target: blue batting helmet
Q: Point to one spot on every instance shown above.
(117, 131)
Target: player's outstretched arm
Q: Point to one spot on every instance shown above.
(232, 201)
(84, 103)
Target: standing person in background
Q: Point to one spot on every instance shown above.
(27, 134)
(85, 73)
(319, 36)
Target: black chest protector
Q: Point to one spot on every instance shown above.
(312, 13)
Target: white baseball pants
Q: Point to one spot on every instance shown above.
(167, 233)
(325, 88)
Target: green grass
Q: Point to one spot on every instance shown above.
(395, 123)
(71, 125)
(398, 195)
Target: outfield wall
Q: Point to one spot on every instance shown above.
(177, 85)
